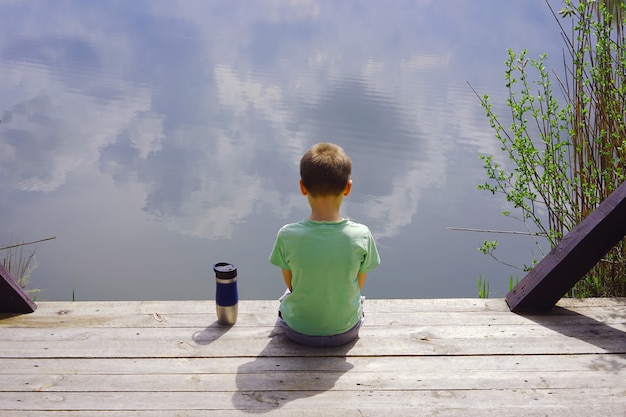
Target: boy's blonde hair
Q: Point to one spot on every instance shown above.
(325, 169)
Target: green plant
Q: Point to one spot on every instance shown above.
(483, 287)
(536, 183)
(562, 160)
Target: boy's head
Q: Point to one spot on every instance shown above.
(325, 170)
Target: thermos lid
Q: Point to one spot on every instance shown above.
(224, 270)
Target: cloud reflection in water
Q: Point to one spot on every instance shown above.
(199, 111)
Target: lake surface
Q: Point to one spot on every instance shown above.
(156, 138)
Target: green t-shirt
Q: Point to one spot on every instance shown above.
(324, 259)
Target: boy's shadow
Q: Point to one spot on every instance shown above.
(285, 371)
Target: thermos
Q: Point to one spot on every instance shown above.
(226, 296)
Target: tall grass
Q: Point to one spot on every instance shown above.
(20, 262)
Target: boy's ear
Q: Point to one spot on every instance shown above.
(303, 189)
(348, 188)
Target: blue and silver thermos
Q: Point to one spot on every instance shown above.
(226, 297)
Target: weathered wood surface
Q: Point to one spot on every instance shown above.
(569, 261)
(455, 357)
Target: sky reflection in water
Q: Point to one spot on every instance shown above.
(155, 138)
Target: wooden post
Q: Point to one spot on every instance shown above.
(573, 257)
(12, 298)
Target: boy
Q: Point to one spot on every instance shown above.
(324, 259)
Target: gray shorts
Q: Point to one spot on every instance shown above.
(320, 341)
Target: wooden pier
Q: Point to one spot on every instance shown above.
(444, 357)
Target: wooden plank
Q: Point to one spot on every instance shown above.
(374, 341)
(207, 307)
(573, 257)
(599, 401)
(13, 299)
(198, 322)
(181, 412)
(457, 365)
(397, 378)
(201, 322)
(490, 409)
(205, 337)
(262, 313)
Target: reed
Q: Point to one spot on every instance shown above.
(20, 263)
(567, 158)
(595, 89)
(483, 287)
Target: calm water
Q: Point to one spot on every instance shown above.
(155, 138)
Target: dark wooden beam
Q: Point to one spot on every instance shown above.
(573, 257)
(13, 299)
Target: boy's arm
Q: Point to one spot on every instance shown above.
(287, 278)
(361, 277)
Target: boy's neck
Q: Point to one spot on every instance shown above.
(325, 208)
